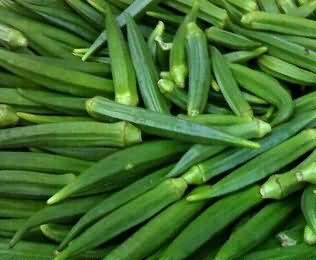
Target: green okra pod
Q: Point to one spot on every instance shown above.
(41, 162)
(211, 221)
(308, 206)
(127, 216)
(8, 116)
(270, 161)
(244, 56)
(9, 80)
(269, 6)
(230, 40)
(265, 223)
(199, 69)
(228, 85)
(115, 201)
(159, 124)
(66, 210)
(178, 63)
(124, 78)
(146, 70)
(73, 134)
(123, 167)
(45, 119)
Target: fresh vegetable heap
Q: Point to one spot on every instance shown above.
(147, 129)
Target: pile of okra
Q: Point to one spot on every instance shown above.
(157, 130)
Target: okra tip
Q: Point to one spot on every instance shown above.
(199, 193)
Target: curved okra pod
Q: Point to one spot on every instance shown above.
(267, 88)
(41, 162)
(308, 206)
(211, 221)
(230, 40)
(281, 23)
(257, 229)
(66, 210)
(157, 231)
(253, 171)
(228, 85)
(199, 69)
(145, 68)
(123, 167)
(124, 78)
(8, 116)
(129, 215)
(163, 124)
(285, 71)
(244, 56)
(177, 63)
(115, 201)
(71, 134)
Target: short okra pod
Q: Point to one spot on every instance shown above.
(8, 116)
(124, 166)
(230, 40)
(199, 69)
(159, 124)
(115, 201)
(71, 134)
(270, 161)
(129, 215)
(67, 210)
(286, 71)
(257, 229)
(308, 206)
(145, 68)
(228, 85)
(211, 221)
(281, 23)
(244, 56)
(124, 78)
(177, 63)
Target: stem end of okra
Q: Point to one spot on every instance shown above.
(166, 85)
(309, 236)
(179, 184)
(194, 176)
(271, 189)
(132, 135)
(307, 174)
(178, 74)
(8, 117)
(263, 128)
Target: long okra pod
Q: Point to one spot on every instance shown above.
(133, 163)
(146, 71)
(66, 210)
(156, 232)
(262, 225)
(199, 69)
(123, 73)
(159, 124)
(232, 158)
(41, 162)
(127, 216)
(178, 66)
(228, 85)
(211, 221)
(73, 134)
(270, 161)
(113, 202)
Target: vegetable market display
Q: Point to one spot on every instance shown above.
(159, 130)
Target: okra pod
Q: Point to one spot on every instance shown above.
(9, 80)
(133, 164)
(308, 206)
(230, 40)
(199, 69)
(146, 71)
(260, 226)
(45, 119)
(285, 71)
(115, 201)
(124, 78)
(127, 216)
(211, 221)
(244, 56)
(66, 210)
(153, 234)
(73, 134)
(159, 124)
(41, 162)
(269, 6)
(8, 116)
(270, 161)
(228, 85)
(178, 64)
